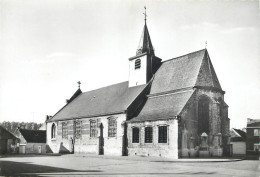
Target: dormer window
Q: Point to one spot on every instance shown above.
(137, 64)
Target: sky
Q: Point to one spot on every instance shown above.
(47, 46)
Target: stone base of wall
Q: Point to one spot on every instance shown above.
(217, 152)
(154, 152)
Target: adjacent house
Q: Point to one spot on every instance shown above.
(32, 141)
(7, 141)
(253, 135)
(238, 142)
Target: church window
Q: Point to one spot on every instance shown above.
(256, 132)
(203, 115)
(135, 136)
(137, 64)
(112, 127)
(53, 131)
(148, 134)
(93, 128)
(78, 129)
(162, 134)
(64, 130)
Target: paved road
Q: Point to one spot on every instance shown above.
(71, 165)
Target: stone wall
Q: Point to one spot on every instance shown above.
(85, 143)
(218, 123)
(169, 149)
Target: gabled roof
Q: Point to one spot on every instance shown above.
(145, 43)
(173, 85)
(5, 134)
(194, 69)
(104, 101)
(164, 106)
(77, 93)
(237, 135)
(33, 136)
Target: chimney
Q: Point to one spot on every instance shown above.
(249, 120)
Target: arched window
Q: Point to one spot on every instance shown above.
(135, 135)
(162, 134)
(203, 115)
(137, 64)
(65, 130)
(148, 131)
(93, 128)
(112, 126)
(53, 131)
(78, 125)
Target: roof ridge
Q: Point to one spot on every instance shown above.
(105, 87)
(183, 55)
(30, 130)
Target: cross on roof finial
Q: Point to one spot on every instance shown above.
(206, 45)
(79, 83)
(145, 14)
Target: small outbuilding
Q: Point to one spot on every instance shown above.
(7, 141)
(238, 142)
(32, 141)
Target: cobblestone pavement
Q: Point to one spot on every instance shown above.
(84, 165)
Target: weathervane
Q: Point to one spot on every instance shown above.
(79, 83)
(145, 13)
(206, 45)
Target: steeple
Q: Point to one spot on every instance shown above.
(145, 43)
(144, 64)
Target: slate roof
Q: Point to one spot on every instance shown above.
(104, 101)
(145, 43)
(5, 134)
(34, 136)
(179, 76)
(163, 106)
(194, 69)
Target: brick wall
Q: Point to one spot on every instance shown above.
(169, 149)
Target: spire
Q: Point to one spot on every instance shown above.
(145, 43)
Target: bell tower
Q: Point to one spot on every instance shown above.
(145, 63)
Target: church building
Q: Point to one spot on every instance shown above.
(173, 108)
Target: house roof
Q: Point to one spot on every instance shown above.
(33, 136)
(253, 123)
(5, 134)
(163, 106)
(193, 69)
(107, 100)
(237, 135)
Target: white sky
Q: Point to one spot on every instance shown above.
(46, 46)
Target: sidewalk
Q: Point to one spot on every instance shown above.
(155, 159)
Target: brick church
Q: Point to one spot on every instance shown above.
(173, 108)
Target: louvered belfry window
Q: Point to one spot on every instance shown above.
(148, 134)
(137, 64)
(64, 130)
(135, 138)
(112, 127)
(162, 134)
(93, 128)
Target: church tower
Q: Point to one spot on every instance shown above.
(145, 63)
